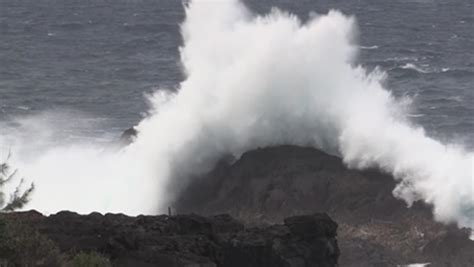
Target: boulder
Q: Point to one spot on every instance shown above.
(128, 136)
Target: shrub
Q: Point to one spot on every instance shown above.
(18, 199)
(21, 245)
(91, 259)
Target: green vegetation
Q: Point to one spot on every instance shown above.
(21, 245)
(19, 198)
(91, 259)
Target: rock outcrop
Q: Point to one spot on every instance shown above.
(375, 229)
(127, 136)
(191, 240)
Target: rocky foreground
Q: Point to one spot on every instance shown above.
(269, 191)
(185, 240)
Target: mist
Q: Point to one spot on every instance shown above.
(255, 81)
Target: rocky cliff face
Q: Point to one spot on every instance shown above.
(266, 185)
(191, 240)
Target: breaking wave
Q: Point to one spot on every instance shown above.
(373, 47)
(255, 81)
(411, 66)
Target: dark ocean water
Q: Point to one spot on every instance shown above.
(86, 66)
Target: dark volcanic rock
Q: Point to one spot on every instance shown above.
(452, 247)
(266, 185)
(128, 136)
(191, 240)
(307, 226)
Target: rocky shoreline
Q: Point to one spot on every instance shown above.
(279, 197)
(375, 229)
(189, 240)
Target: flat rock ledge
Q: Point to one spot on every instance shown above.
(191, 240)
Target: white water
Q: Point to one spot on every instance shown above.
(255, 81)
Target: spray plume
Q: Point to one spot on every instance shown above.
(255, 81)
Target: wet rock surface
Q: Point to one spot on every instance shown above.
(127, 136)
(191, 240)
(375, 229)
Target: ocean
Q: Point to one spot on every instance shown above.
(96, 60)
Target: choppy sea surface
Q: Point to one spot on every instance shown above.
(85, 67)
